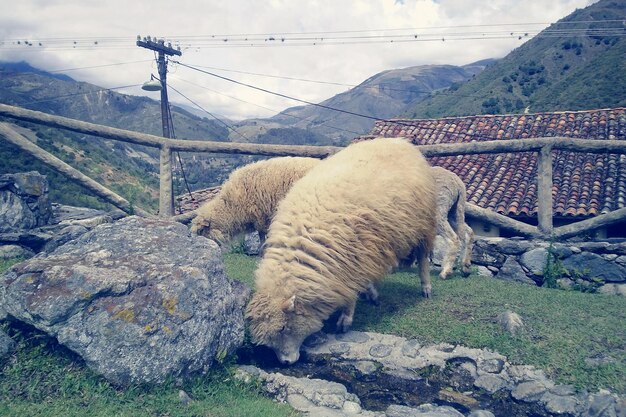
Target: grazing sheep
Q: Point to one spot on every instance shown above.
(342, 227)
(451, 201)
(451, 226)
(249, 198)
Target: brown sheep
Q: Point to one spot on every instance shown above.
(342, 227)
(451, 226)
(248, 198)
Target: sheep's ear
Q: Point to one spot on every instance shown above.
(289, 305)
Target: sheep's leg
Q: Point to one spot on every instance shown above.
(424, 264)
(347, 316)
(452, 249)
(371, 294)
(468, 238)
(262, 237)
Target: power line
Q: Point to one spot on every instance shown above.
(278, 94)
(284, 112)
(99, 66)
(211, 114)
(99, 39)
(398, 122)
(340, 36)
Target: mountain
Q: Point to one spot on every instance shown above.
(133, 169)
(577, 63)
(25, 67)
(381, 96)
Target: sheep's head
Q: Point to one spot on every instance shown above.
(280, 324)
(205, 226)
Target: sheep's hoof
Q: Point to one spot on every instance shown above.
(427, 293)
(344, 323)
(466, 271)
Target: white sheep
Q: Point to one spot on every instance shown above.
(248, 199)
(340, 229)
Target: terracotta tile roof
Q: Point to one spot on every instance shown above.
(584, 184)
(185, 203)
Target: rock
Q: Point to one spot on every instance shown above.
(140, 300)
(490, 383)
(15, 251)
(7, 345)
(184, 398)
(24, 202)
(67, 215)
(558, 404)
(594, 267)
(511, 322)
(483, 271)
(63, 236)
(511, 246)
(426, 410)
(252, 244)
(564, 283)
(601, 405)
(486, 254)
(354, 337)
(535, 260)
(481, 413)
(613, 289)
(529, 391)
(512, 271)
(31, 239)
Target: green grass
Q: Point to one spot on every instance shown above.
(563, 329)
(8, 263)
(43, 379)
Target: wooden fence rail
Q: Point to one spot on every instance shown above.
(543, 146)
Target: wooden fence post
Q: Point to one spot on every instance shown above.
(166, 192)
(73, 174)
(544, 191)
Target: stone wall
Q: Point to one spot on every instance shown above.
(24, 202)
(589, 266)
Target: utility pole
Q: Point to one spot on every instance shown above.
(166, 194)
(160, 47)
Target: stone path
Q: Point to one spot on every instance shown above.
(378, 372)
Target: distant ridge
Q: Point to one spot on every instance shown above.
(24, 66)
(549, 72)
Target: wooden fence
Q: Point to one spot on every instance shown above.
(543, 146)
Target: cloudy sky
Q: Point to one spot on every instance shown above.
(271, 44)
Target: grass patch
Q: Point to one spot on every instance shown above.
(577, 338)
(8, 263)
(42, 379)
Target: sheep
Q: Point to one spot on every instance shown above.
(341, 228)
(451, 226)
(248, 198)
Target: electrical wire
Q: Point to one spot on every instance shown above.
(398, 122)
(211, 114)
(345, 37)
(98, 66)
(274, 111)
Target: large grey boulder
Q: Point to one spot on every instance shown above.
(24, 202)
(139, 300)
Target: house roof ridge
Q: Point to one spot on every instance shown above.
(392, 120)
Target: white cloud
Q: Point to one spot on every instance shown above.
(115, 23)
